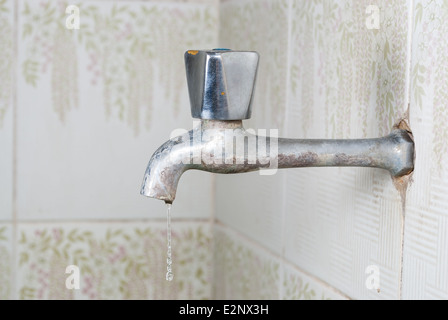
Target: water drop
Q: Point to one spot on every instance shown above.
(169, 259)
(169, 276)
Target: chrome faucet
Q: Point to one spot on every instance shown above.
(221, 86)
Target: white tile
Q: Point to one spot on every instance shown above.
(6, 108)
(250, 202)
(346, 81)
(116, 261)
(6, 259)
(98, 108)
(300, 286)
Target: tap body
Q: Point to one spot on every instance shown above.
(224, 146)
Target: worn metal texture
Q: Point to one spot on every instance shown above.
(221, 83)
(226, 147)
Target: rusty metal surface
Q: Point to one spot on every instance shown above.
(204, 148)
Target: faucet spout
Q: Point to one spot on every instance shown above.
(225, 147)
(221, 88)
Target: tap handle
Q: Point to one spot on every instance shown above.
(221, 83)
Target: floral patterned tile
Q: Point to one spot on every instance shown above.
(246, 271)
(115, 261)
(242, 271)
(348, 79)
(261, 26)
(6, 112)
(429, 87)
(5, 261)
(299, 286)
(95, 103)
(126, 38)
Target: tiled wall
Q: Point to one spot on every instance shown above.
(326, 73)
(6, 144)
(116, 260)
(81, 112)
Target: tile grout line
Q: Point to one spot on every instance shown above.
(14, 76)
(410, 38)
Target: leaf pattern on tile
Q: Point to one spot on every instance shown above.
(440, 104)
(296, 288)
(239, 31)
(430, 71)
(6, 62)
(5, 269)
(344, 64)
(133, 50)
(418, 81)
(305, 40)
(242, 273)
(116, 263)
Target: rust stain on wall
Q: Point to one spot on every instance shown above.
(402, 183)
